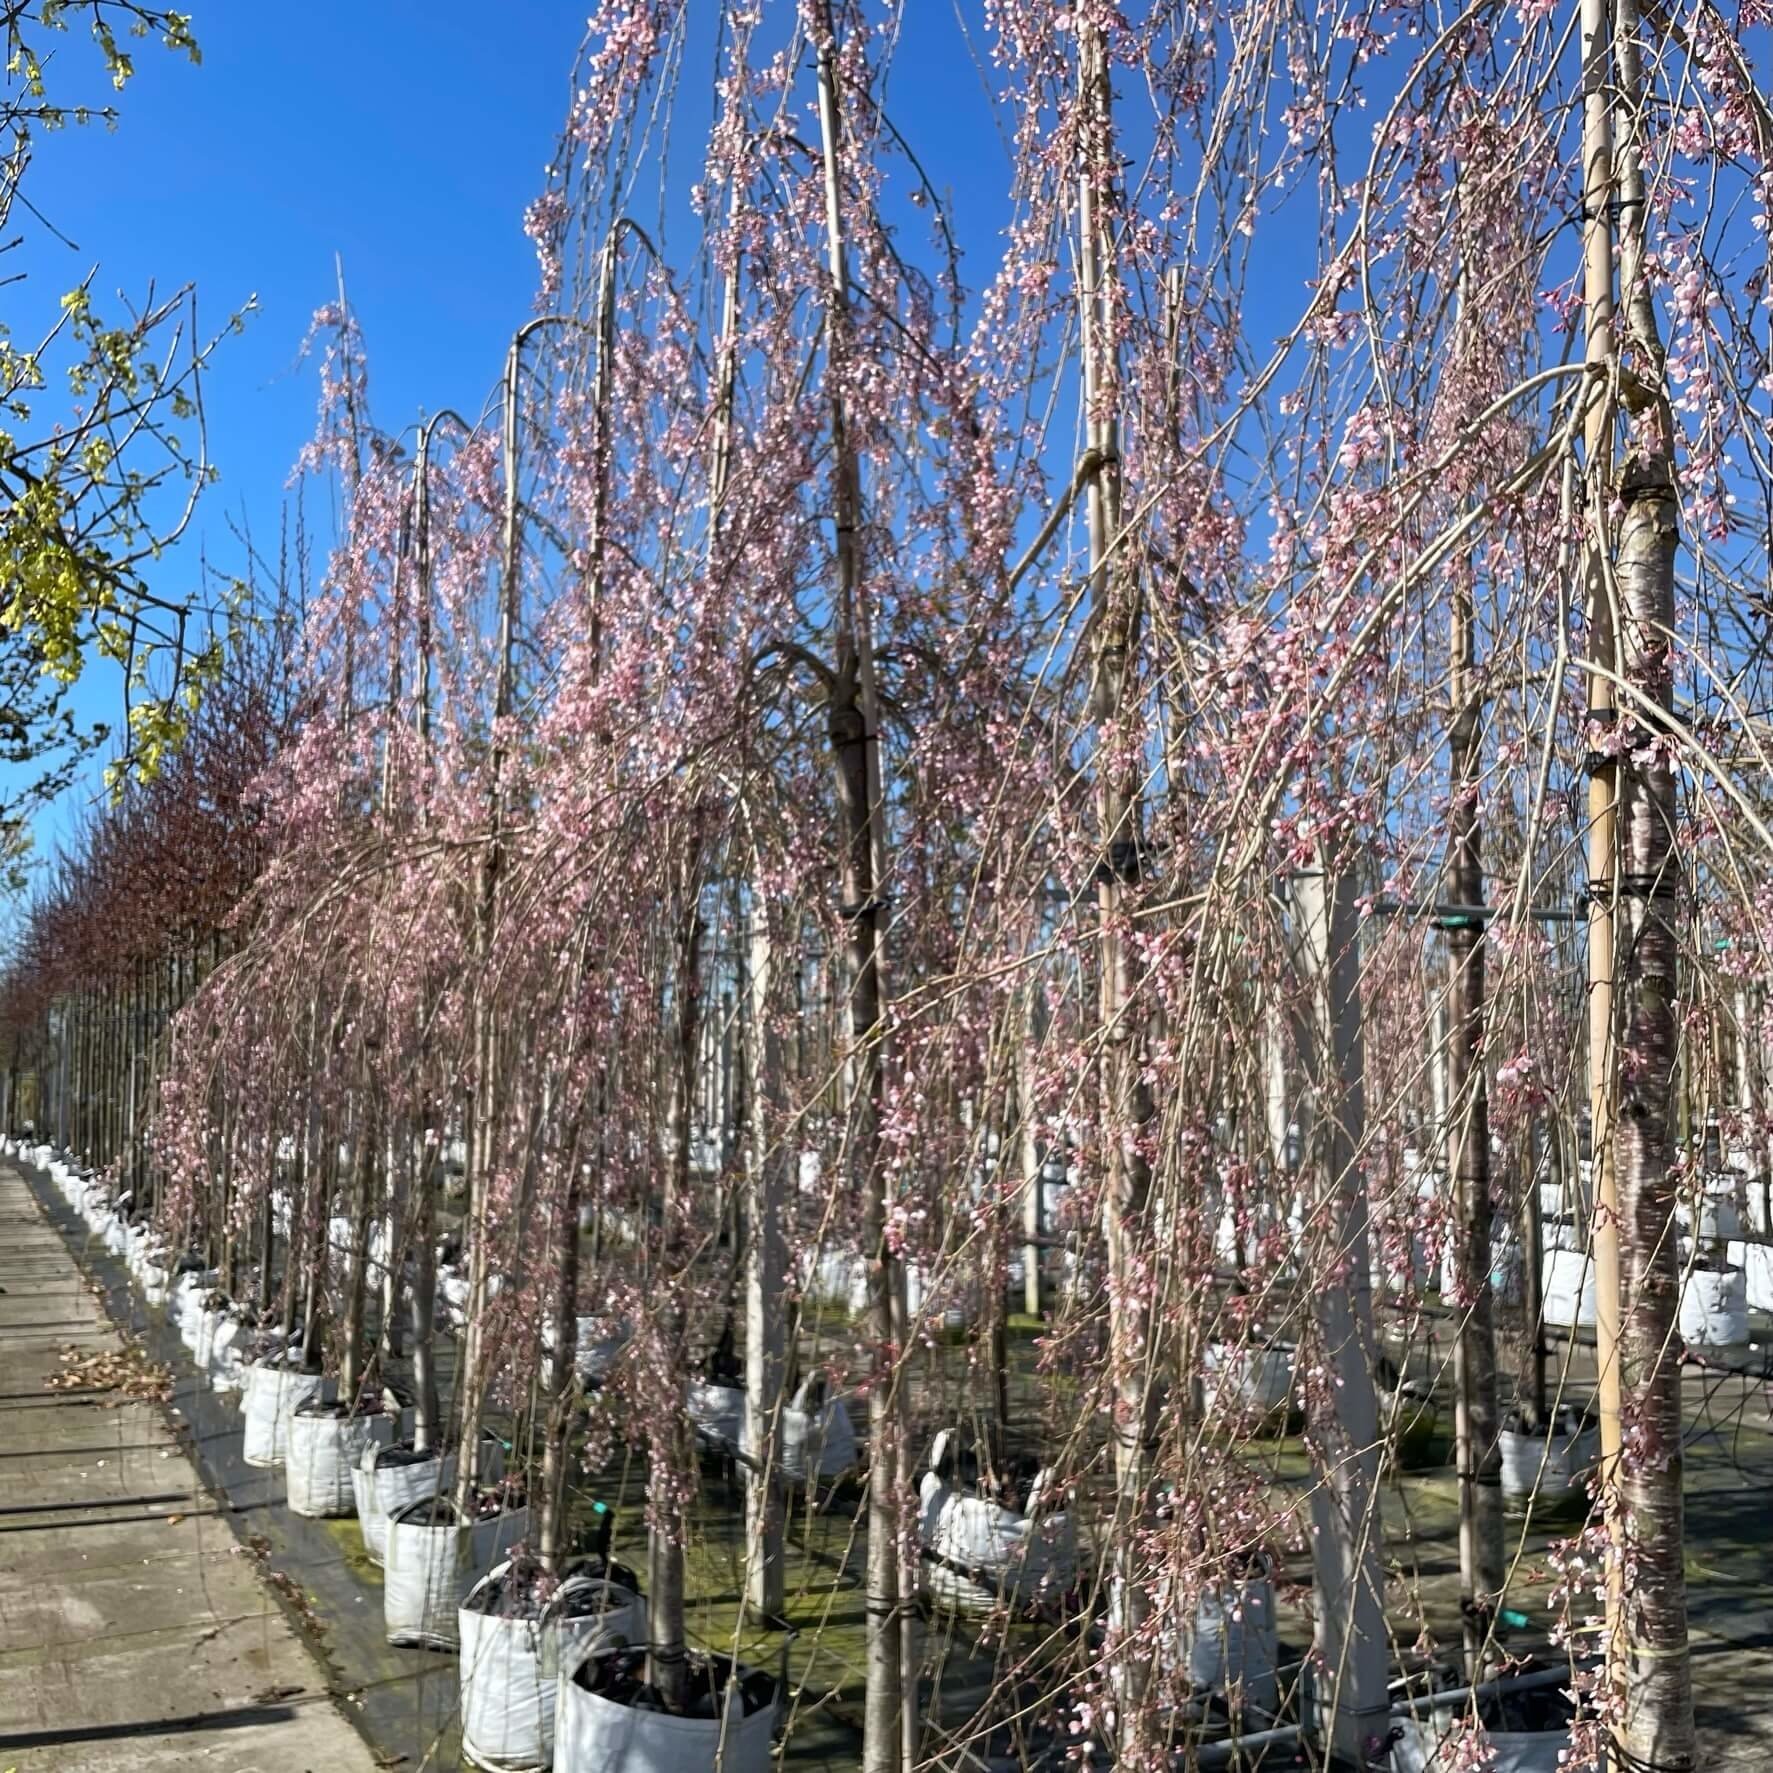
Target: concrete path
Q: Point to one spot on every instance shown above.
(134, 1632)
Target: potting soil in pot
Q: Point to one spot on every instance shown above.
(325, 1446)
(513, 1646)
(607, 1720)
(432, 1563)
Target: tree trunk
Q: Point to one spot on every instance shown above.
(1125, 1106)
(562, 1388)
(1353, 1702)
(362, 1196)
(670, 1453)
(1028, 1149)
(889, 1721)
(1658, 1731)
(1477, 1424)
(427, 1406)
(766, 1264)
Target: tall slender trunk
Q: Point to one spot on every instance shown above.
(889, 1720)
(1028, 1152)
(669, 1452)
(1477, 1424)
(427, 1405)
(422, 1211)
(562, 1388)
(1125, 1105)
(1353, 1700)
(766, 1265)
(1659, 1725)
(1597, 293)
(1659, 1695)
(362, 1198)
(484, 1141)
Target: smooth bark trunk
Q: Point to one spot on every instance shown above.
(1477, 1421)
(1353, 1701)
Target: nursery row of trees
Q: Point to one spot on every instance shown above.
(829, 743)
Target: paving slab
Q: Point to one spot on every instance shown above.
(135, 1631)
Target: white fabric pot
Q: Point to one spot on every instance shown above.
(382, 1489)
(203, 1346)
(1756, 1263)
(431, 1568)
(595, 1735)
(1233, 1648)
(818, 1443)
(1714, 1309)
(937, 1302)
(1759, 1200)
(154, 1283)
(227, 1365)
(1433, 1744)
(323, 1452)
(1549, 1466)
(1240, 1380)
(116, 1236)
(597, 1345)
(1719, 1217)
(1568, 1288)
(273, 1390)
(986, 1555)
(188, 1293)
(509, 1667)
(718, 1412)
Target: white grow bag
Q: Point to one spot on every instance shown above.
(985, 1554)
(1434, 1744)
(595, 1735)
(1756, 1263)
(273, 1391)
(382, 1488)
(431, 1569)
(227, 1359)
(718, 1412)
(323, 1453)
(1714, 1309)
(1233, 1646)
(1549, 1465)
(203, 1347)
(509, 1666)
(818, 1444)
(188, 1293)
(1242, 1381)
(1569, 1289)
(597, 1345)
(155, 1281)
